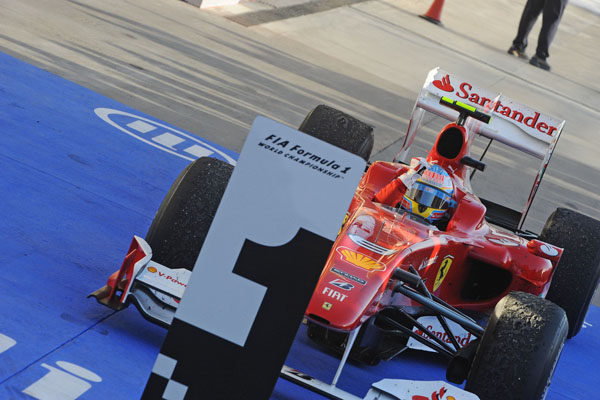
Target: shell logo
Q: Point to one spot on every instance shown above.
(360, 260)
(152, 269)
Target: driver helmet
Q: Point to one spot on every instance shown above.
(431, 195)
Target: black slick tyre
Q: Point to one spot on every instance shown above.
(578, 272)
(519, 349)
(339, 129)
(182, 221)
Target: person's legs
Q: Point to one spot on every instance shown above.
(532, 10)
(553, 10)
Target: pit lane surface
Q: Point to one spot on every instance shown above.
(204, 73)
(75, 189)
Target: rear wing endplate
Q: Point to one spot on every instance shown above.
(514, 124)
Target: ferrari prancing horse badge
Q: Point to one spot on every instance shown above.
(442, 272)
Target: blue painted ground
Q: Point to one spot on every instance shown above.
(74, 190)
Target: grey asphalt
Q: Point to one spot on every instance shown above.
(211, 71)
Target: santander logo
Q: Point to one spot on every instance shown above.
(463, 340)
(444, 84)
(465, 91)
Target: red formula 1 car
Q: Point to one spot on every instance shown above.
(394, 280)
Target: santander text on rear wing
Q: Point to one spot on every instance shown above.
(514, 124)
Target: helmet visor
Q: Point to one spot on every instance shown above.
(429, 196)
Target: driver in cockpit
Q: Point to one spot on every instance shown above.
(425, 190)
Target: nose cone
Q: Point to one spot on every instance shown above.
(358, 269)
(343, 296)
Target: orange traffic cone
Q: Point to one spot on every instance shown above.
(434, 14)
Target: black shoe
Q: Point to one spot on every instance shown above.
(540, 63)
(517, 52)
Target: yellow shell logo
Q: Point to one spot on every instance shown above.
(152, 269)
(360, 260)
(442, 272)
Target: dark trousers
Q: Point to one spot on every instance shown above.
(553, 10)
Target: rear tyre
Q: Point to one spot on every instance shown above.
(578, 272)
(519, 349)
(339, 129)
(185, 214)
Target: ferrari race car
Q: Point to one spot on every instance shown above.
(496, 300)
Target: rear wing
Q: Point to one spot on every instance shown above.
(514, 124)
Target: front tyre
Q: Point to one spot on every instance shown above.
(519, 349)
(185, 214)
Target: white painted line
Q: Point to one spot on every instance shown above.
(168, 140)
(60, 385)
(141, 126)
(79, 371)
(198, 151)
(6, 343)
